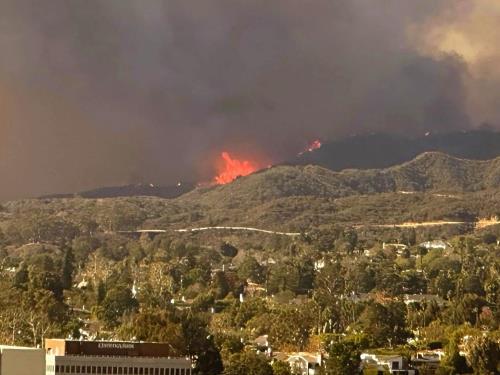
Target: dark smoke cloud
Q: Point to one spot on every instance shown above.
(101, 92)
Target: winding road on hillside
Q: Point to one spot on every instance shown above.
(291, 234)
(482, 223)
(201, 229)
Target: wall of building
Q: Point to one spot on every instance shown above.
(71, 364)
(22, 361)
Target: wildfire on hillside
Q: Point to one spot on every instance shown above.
(314, 145)
(229, 168)
(233, 168)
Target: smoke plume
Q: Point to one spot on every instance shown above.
(104, 92)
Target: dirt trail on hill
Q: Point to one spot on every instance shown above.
(481, 223)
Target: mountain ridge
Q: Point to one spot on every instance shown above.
(430, 171)
(294, 199)
(381, 150)
(373, 151)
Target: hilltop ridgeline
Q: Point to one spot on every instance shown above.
(433, 186)
(431, 171)
(385, 150)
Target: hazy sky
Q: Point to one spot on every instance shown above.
(108, 92)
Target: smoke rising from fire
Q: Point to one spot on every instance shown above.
(105, 92)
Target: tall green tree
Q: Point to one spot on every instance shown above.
(118, 301)
(21, 277)
(248, 363)
(453, 362)
(250, 269)
(101, 292)
(483, 354)
(343, 359)
(220, 285)
(281, 368)
(68, 268)
(283, 277)
(385, 325)
(154, 325)
(200, 345)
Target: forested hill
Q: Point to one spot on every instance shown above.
(433, 186)
(385, 150)
(432, 171)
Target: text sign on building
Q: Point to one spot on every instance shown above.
(115, 345)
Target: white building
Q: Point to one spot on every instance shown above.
(17, 360)
(394, 364)
(436, 244)
(423, 298)
(302, 363)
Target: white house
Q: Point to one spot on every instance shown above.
(302, 363)
(305, 363)
(436, 244)
(397, 246)
(422, 298)
(428, 360)
(395, 364)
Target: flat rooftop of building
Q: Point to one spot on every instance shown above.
(13, 347)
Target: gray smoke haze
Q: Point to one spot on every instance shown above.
(105, 92)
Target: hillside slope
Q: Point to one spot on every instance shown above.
(430, 171)
(431, 187)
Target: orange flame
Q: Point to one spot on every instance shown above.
(314, 145)
(233, 168)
